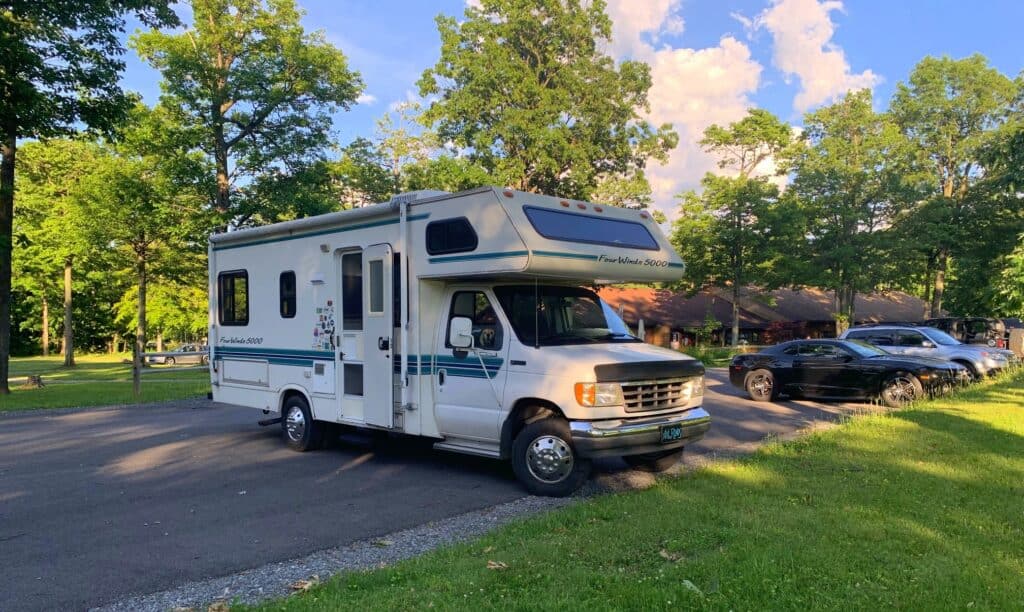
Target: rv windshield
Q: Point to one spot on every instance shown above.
(548, 315)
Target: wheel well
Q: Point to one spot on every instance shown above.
(524, 412)
(966, 364)
(287, 395)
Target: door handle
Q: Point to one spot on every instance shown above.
(440, 377)
(341, 356)
(383, 343)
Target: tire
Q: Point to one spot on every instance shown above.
(300, 432)
(169, 361)
(545, 461)
(655, 462)
(901, 390)
(204, 360)
(760, 386)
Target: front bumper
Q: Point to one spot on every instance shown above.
(621, 437)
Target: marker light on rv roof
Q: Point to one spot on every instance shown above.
(643, 214)
(564, 203)
(581, 206)
(508, 193)
(598, 209)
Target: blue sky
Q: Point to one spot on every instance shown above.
(710, 59)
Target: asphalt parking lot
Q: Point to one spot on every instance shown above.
(96, 505)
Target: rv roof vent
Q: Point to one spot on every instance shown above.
(416, 195)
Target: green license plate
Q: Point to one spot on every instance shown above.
(671, 433)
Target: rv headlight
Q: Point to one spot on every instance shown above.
(697, 387)
(594, 395)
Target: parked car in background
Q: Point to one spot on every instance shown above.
(841, 369)
(973, 330)
(924, 341)
(184, 354)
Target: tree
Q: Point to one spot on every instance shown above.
(728, 234)
(59, 63)
(258, 88)
(524, 88)
(848, 181)
(949, 109)
(49, 175)
(146, 198)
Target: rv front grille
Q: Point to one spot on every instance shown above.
(661, 394)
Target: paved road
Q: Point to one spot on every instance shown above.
(97, 505)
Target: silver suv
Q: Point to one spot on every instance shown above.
(930, 342)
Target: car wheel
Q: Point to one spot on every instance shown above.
(760, 386)
(169, 361)
(654, 462)
(901, 390)
(545, 460)
(300, 432)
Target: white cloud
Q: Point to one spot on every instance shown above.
(691, 89)
(802, 32)
(366, 99)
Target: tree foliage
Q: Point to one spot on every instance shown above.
(59, 63)
(257, 87)
(524, 87)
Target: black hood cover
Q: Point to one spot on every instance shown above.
(648, 370)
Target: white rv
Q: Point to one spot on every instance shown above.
(463, 318)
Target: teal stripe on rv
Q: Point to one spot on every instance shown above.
(468, 367)
(338, 230)
(479, 256)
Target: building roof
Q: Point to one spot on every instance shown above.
(757, 309)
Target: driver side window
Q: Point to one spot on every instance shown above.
(474, 305)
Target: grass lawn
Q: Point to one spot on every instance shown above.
(98, 380)
(920, 509)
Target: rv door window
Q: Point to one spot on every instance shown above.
(474, 305)
(352, 291)
(450, 236)
(233, 297)
(287, 290)
(572, 227)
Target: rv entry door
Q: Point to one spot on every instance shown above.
(379, 345)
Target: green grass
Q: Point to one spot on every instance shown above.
(920, 509)
(97, 380)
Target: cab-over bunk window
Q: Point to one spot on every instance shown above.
(588, 229)
(450, 236)
(233, 297)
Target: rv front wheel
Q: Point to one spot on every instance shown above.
(301, 433)
(545, 460)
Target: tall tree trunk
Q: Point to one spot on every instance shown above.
(140, 328)
(69, 333)
(8, 148)
(159, 341)
(115, 343)
(941, 265)
(45, 340)
(929, 285)
(735, 315)
(220, 159)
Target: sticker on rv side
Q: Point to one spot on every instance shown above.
(636, 261)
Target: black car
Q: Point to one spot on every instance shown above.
(841, 369)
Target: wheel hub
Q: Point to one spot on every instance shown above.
(295, 424)
(550, 459)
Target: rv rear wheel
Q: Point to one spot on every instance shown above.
(655, 462)
(300, 432)
(545, 460)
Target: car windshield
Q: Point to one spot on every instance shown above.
(863, 349)
(939, 337)
(548, 315)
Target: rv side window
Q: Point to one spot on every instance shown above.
(450, 236)
(287, 287)
(233, 297)
(487, 332)
(588, 229)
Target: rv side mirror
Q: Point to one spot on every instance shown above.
(460, 332)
